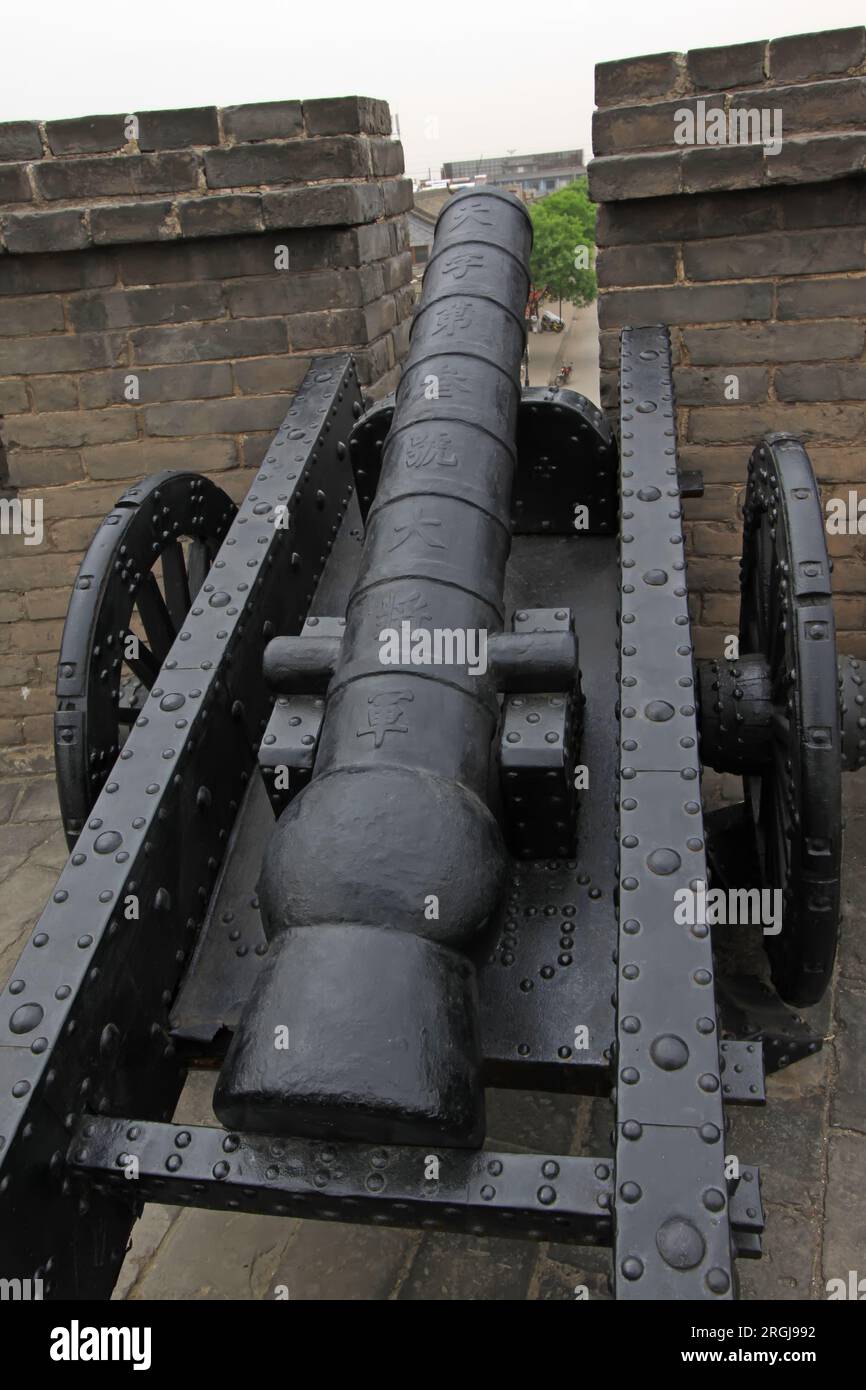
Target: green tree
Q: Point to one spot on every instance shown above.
(564, 241)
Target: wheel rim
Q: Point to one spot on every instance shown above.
(144, 566)
(794, 804)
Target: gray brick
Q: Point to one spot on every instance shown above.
(228, 215)
(212, 454)
(198, 343)
(283, 292)
(374, 360)
(263, 120)
(707, 385)
(14, 184)
(205, 260)
(399, 232)
(700, 216)
(825, 204)
(181, 382)
(814, 106)
(634, 176)
(820, 382)
(46, 231)
(70, 429)
(686, 304)
(821, 299)
(353, 115)
(13, 397)
(398, 196)
(379, 317)
(624, 129)
(54, 392)
(62, 352)
(637, 265)
(733, 65)
(20, 140)
(173, 130)
(801, 56)
(374, 241)
(400, 338)
(405, 299)
(386, 157)
(635, 79)
(289, 161)
(324, 205)
(608, 348)
(87, 135)
(372, 281)
(235, 415)
(254, 447)
(222, 258)
(40, 314)
(719, 465)
(116, 175)
(775, 342)
(49, 274)
(817, 158)
(132, 222)
(723, 168)
(262, 376)
(396, 270)
(90, 313)
(328, 328)
(780, 253)
(738, 423)
(43, 468)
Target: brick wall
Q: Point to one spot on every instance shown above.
(200, 258)
(758, 263)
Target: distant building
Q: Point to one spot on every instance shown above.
(531, 175)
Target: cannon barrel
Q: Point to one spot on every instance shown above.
(384, 875)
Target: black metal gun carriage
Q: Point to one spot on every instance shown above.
(320, 843)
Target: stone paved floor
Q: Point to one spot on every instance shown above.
(810, 1141)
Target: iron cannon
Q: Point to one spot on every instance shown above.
(384, 788)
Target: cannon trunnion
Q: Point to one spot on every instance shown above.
(350, 822)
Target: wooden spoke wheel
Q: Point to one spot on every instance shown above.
(134, 588)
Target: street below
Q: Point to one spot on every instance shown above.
(577, 344)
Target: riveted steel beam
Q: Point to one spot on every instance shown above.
(673, 1236)
(537, 1196)
(84, 1019)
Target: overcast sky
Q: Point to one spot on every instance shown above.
(468, 78)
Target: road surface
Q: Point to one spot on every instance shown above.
(577, 344)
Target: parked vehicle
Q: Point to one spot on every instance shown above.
(551, 322)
